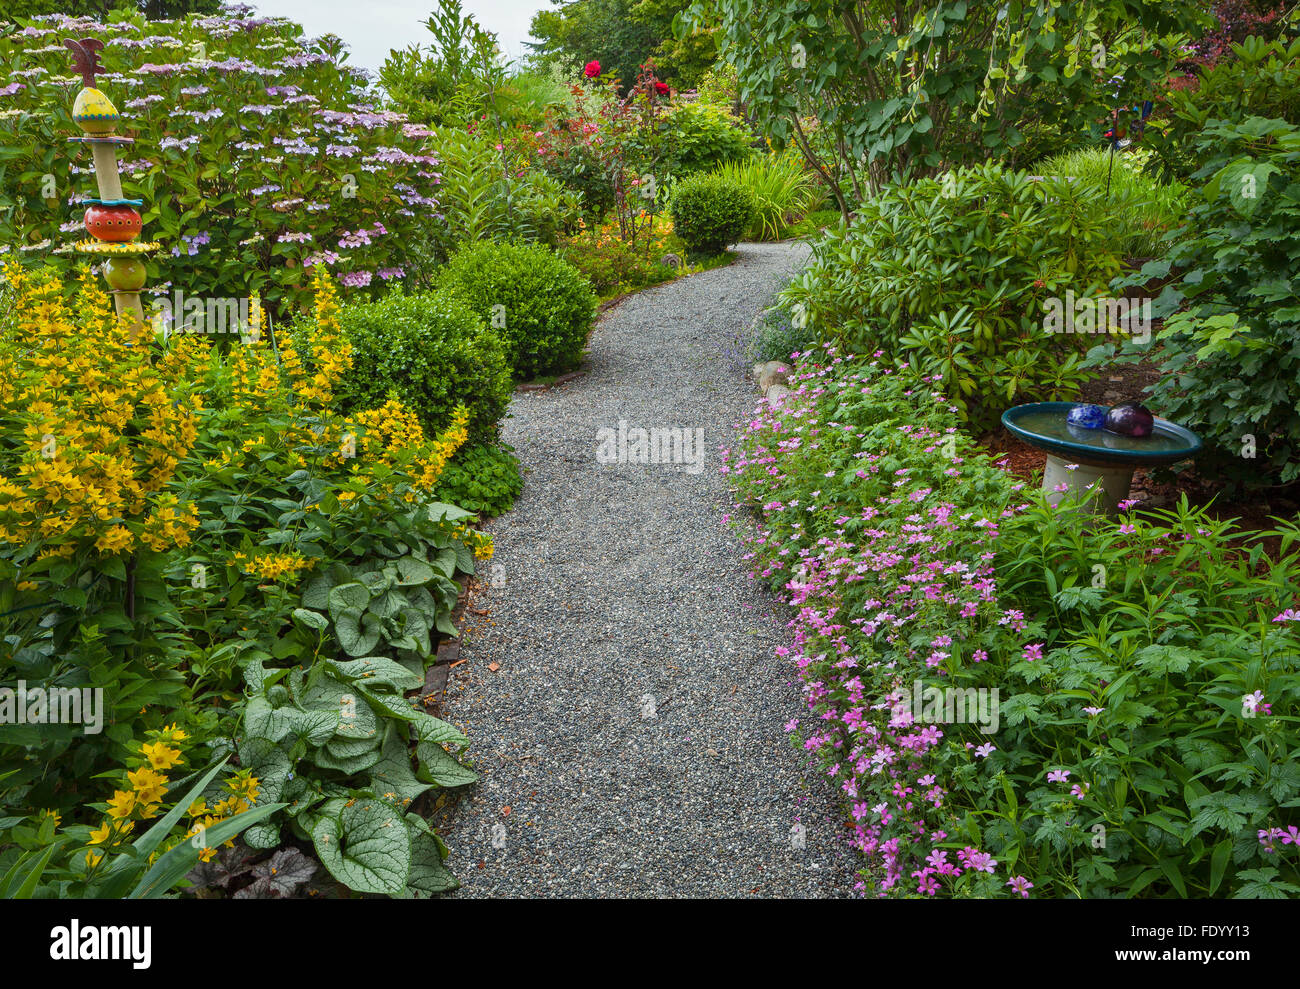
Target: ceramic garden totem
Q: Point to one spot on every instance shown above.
(113, 222)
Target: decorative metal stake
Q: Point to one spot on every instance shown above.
(111, 220)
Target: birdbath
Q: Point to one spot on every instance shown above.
(1099, 458)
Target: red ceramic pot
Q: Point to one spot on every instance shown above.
(113, 223)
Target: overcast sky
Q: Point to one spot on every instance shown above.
(372, 27)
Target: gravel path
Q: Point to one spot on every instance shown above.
(633, 728)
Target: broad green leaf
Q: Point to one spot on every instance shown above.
(428, 875)
(311, 619)
(347, 598)
(366, 846)
(438, 766)
(414, 571)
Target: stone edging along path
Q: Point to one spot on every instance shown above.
(624, 700)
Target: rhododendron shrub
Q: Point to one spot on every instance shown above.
(259, 155)
(1089, 751)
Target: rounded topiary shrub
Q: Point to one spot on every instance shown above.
(541, 305)
(435, 352)
(710, 212)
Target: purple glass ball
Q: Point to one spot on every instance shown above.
(1130, 419)
(1086, 416)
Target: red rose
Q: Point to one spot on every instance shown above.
(661, 88)
(591, 69)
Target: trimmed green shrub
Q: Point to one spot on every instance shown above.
(541, 305)
(710, 212)
(435, 352)
(483, 479)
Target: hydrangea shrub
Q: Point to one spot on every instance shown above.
(259, 155)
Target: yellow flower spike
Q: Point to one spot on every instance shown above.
(150, 787)
(105, 427)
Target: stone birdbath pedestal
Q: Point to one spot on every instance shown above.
(112, 221)
(1086, 458)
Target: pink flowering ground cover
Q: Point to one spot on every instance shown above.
(1014, 700)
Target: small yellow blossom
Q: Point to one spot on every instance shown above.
(160, 756)
(121, 804)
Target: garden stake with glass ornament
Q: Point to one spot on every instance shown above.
(113, 221)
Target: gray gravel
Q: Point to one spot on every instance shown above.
(634, 727)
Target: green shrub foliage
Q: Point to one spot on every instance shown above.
(954, 275)
(540, 304)
(436, 353)
(1228, 349)
(711, 212)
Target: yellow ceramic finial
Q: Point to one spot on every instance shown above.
(94, 112)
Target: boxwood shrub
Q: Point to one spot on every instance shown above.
(541, 305)
(710, 212)
(435, 352)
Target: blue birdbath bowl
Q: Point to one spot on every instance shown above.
(1098, 458)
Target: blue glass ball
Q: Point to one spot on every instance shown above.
(1086, 416)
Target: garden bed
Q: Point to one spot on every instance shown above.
(915, 567)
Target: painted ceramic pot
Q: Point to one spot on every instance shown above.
(94, 112)
(125, 274)
(113, 223)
